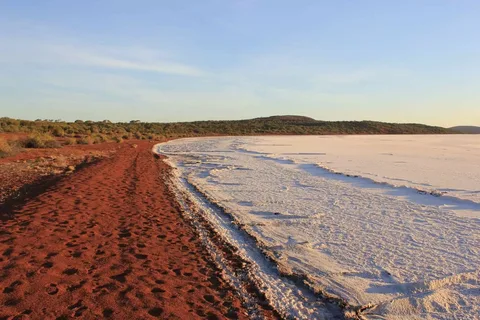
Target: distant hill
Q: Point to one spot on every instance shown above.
(281, 125)
(467, 129)
(286, 118)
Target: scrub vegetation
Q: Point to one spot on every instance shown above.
(101, 131)
(55, 133)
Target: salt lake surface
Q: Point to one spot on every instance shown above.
(391, 223)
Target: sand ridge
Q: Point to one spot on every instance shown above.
(109, 242)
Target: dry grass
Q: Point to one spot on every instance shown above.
(85, 140)
(5, 148)
(40, 141)
(117, 139)
(99, 138)
(70, 141)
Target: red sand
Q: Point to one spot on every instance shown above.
(109, 242)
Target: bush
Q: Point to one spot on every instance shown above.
(5, 148)
(85, 140)
(99, 138)
(40, 141)
(58, 132)
(70, 141)
(117, 139)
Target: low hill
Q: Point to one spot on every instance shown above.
(286, 118)
(467, 129)
(271, 125)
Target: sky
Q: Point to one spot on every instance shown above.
(153, 60)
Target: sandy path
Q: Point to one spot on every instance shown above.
(108, 242)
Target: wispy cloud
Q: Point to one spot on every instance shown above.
(53, 51)
(110, 59)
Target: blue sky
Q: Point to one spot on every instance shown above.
(397, 61)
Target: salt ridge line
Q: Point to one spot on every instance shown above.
(414, 194)
(285, 295)
(440, 198)
(431, 163)
(435, 197)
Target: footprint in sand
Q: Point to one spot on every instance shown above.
(8, 252)
(70, 271)
(52, 289)
(124, 234)
(78, 307)
(12, 302)
(209, 298)
(156, 312)
(107, 313)
(51, 254)
(77, 254)
(158, 290)
(76, 286)
(122, 276)
(12, 286)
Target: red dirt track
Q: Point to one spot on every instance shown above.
(108, 241)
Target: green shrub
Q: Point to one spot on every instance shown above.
(85, 140)
(99, 138)
(117, 139)
(40, 141)
(70, 141)
(5, 148)
(269, 125)
(58, 132)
